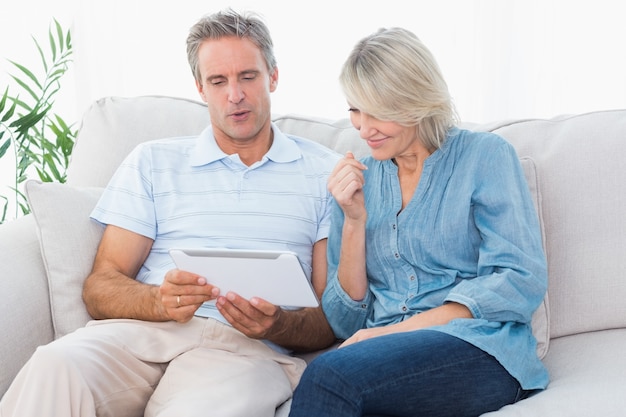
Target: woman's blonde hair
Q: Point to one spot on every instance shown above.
(392, 76)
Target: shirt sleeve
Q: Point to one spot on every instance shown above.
(511, 276)
(127, 201)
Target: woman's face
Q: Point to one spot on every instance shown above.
(387, 140)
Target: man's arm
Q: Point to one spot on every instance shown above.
(299, 330)
(111, 291)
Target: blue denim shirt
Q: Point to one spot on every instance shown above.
(470, 235)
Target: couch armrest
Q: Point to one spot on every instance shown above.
(25, 318)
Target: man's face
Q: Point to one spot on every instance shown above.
(236, 85)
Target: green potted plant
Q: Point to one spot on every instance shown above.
(31, 133)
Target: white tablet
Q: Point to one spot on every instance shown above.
(275, 276)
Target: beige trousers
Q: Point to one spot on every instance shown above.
(127, 368)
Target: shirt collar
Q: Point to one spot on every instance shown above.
(283, 149)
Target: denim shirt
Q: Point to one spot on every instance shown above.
(470, 235)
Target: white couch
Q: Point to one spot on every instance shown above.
(575, 169)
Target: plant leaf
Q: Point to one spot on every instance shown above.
(68, 41)
(5, 146)
(59, 34)
(5, 206)
(29, 120)
(3, 101)
(42, 55)
(53, 45)
(52, 166)
(9, 113)
(42, 142)
(26, 87)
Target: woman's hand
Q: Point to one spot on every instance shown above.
(433, 317)
(346, 185)
(365, 334)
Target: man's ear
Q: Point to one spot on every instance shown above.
(274, 80)
(200, 90)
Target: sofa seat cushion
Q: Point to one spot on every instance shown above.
(586, 378)
(68, 240)
(24, 319)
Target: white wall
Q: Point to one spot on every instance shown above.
(502, 58)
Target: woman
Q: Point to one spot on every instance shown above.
(435, 254)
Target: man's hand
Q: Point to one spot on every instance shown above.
(182, 293)
(256, 318)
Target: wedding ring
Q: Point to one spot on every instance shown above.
(178, 300)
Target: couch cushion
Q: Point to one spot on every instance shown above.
(541, 318)
(586, 378)
(113, 126)
(68, 241)
(583, 189)
(339, 134)
(24, 312)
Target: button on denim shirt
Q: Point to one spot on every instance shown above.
(469, 235)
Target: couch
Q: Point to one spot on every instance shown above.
(575, 171)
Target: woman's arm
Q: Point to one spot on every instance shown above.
(511, 267)
(346, 185)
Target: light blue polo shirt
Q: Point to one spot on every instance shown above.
(186, 192)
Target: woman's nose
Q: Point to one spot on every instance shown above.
(366, 126)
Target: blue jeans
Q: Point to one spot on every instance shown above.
(420, 373)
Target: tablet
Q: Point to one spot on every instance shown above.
(275, 276)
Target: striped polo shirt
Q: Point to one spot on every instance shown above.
(186, 192)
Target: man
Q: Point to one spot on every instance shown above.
(166, 342)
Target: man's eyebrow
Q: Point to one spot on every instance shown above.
(244, 72)
(212, 77)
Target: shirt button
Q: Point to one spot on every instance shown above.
(397, 255)
(412, 278)
(393, 227)
(404, 308)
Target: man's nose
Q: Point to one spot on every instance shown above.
(235, 93)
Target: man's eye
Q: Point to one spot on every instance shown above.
(352, 109)
(217, 82)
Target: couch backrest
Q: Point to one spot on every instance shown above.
(573, 163)
(112, 126)
(582, 180)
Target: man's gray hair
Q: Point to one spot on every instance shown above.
(246, 25)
